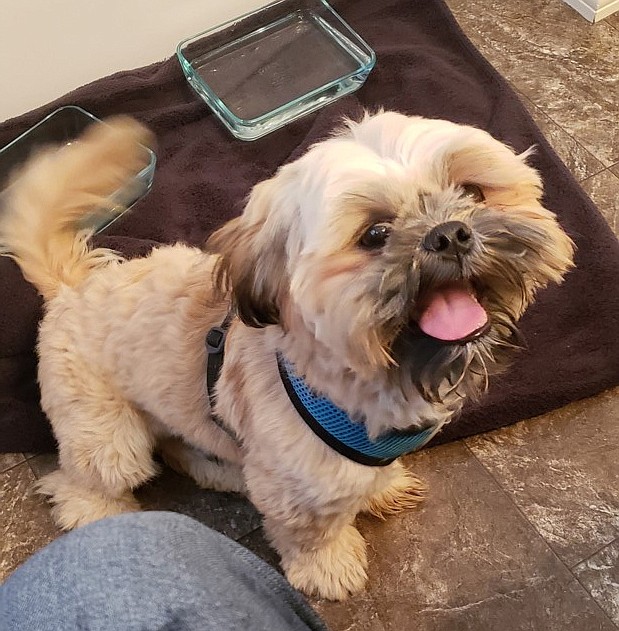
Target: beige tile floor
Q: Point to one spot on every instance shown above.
(521, 529)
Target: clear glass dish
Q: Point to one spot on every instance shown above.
(272, 66)
(62, 127)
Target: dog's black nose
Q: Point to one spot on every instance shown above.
(451, 237)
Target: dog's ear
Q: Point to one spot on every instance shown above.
(252, 264)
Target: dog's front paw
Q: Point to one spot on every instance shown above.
(74, 504)
(333, 571)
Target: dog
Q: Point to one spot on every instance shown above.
(385, 271)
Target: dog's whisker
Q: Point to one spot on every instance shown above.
(469, 360)
(485, 369)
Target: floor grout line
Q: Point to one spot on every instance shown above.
(523, 96)
(596, 174)
(540, 536)
(582, 180)
(247, 534)
(512, 501)
(32, 455)
(12, 467)
(34, 473)
(594, 599)
(606, 545)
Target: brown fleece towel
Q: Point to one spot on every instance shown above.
(425, 66)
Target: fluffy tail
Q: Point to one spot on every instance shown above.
(42, 208)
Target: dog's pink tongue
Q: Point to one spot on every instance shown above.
(452, 313)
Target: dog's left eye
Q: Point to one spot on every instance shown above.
(375, 236)
(474, 192)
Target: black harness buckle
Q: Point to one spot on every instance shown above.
(215, 340)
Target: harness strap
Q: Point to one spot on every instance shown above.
(215, 344)
(327, 421)
(335, 427)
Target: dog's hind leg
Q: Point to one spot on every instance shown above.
(208, 471)
(398, 490)
(106, 450)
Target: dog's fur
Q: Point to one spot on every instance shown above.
(121, 346)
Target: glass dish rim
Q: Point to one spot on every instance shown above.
(153, 156)
(235, 120)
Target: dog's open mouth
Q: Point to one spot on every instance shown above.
(452, 313)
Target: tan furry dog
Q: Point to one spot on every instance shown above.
(389, 265)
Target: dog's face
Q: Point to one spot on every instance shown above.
(403, 245)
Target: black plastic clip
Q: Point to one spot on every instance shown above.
(215, 340)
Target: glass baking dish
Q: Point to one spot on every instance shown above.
(62, 127)
(274, 65)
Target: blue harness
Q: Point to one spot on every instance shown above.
(330, 423)
(334, 427)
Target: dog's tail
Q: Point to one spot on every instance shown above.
(45, 206)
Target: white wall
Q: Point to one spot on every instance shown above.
(48, 47)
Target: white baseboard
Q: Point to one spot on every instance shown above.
(594, 10)
(608, 9)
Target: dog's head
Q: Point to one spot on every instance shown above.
(403, 245)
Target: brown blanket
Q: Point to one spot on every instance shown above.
(425, 66)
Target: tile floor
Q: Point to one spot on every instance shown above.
(521, 529)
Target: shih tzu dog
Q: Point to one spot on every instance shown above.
(368, 288)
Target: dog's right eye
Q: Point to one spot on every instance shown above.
(474, 192)
(375, 236)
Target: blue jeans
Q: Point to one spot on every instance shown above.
(148, 571)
